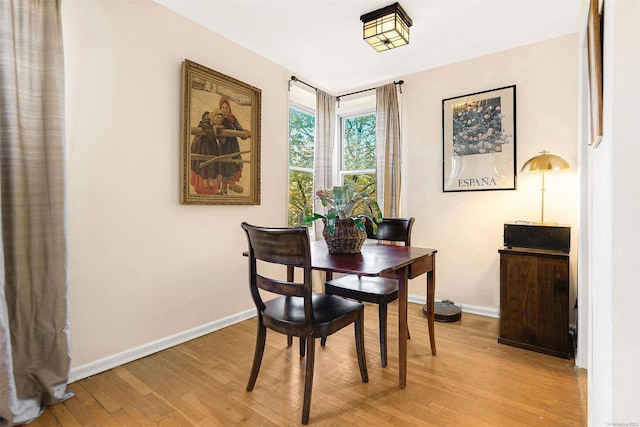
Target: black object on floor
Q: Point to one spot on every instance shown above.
(446, 311)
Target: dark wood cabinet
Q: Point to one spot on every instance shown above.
(534, 300)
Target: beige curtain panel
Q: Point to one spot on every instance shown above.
(34, 349)
(323, 151)
(388, 149)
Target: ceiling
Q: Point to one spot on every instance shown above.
(320, 41)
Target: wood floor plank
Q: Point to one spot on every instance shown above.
(473, 381)
(85, 409)
(132, 381)
(56, 415)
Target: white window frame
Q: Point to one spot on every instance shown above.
(304, 101)
(305, 110)
(340, 172)
(290, 168)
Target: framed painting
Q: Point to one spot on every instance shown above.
(479, 141)
(594, 48)
(220, 153)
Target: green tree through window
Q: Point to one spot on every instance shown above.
(357, 148)
(359, 142)
(302, 126)
(358, 145)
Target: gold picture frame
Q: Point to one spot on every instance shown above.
(220, 147)
(594, 49)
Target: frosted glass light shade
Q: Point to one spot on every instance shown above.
(386, 28)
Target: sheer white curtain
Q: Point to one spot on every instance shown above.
(323, 153)
(34, 349)
(388, 149)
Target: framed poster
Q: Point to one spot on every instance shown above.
(220, 153)
(479, 141)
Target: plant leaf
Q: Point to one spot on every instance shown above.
(308, 220)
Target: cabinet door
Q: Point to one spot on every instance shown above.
(534, 300)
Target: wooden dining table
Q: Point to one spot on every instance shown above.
(398, 262)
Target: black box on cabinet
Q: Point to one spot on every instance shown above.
(537, 236)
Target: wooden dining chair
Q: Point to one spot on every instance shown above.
(298, 311)
(377, 290)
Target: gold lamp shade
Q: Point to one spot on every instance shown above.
(544, 162)
(386, 28)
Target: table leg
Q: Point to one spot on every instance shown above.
(431, 306)
(402, 324)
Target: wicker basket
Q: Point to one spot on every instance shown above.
(346, 239)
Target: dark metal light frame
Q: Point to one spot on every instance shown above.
(386, 28)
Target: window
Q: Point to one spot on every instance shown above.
(357, 148)
(355, 158)
(302, 124)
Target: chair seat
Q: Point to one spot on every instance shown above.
(288, 312)
(370, 289)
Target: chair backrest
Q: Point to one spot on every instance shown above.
(392, 230)
(284, 246)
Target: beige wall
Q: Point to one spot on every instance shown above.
(146, 271)
(466, 227)
(143, 267)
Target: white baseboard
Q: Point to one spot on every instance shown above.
(130, 355)
(127, 356)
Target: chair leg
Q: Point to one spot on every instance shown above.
(259, 352)
(302, 345)
(362, 361)
(289, 340)
(308, 378)
(382, 321)
(323, 340)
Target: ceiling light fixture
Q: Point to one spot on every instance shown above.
(386, 28)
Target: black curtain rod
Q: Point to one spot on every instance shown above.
(295, 79)
(399, 82)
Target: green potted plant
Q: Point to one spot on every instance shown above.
(345, 219)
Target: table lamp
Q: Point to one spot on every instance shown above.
(544, 162)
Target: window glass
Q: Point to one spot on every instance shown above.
(365, 182)
(358, 153)
(300, 196)
(302, 127)
(359, 142)
(356, 159)
(301, 145)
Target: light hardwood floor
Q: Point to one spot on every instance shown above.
(473, 381)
